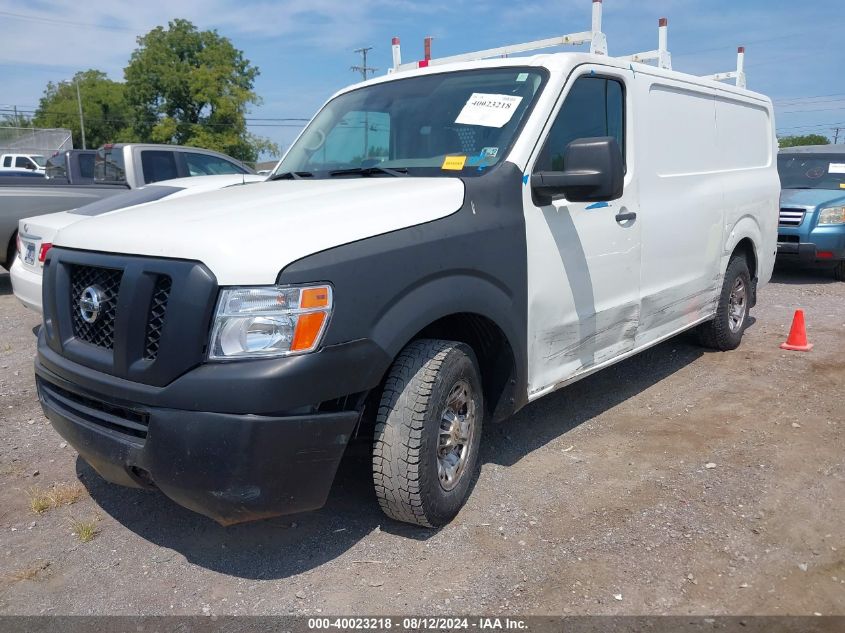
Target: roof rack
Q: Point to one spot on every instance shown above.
(594, 37)
(662, 55)
(738, 74)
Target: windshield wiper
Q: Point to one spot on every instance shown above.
(291, 175)
(369, 171)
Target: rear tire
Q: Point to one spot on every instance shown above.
(11, 252)
(428, 431)
(725, 331)
(839, 271)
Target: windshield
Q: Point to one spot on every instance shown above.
(39, 160)
(812, 171)
(457, 123)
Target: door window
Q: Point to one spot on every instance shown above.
(7, 161)
(208, 165)
(158, 165)
(594, 107)
(24, 163)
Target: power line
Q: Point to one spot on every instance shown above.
(35, 18)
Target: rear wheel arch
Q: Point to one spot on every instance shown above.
(746, 247)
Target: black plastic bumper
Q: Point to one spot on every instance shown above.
(229, 467)
(805, 252)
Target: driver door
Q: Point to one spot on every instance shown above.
(583, 258)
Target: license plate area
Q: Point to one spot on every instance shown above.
(28, 252)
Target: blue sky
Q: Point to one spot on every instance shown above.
(795, 50)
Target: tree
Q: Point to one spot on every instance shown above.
(807, 139)
(106, 114)
(193, 87)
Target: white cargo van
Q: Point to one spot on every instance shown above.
(440, 247)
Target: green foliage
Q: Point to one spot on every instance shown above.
(807, 139)
(107, 115)
(193, 87)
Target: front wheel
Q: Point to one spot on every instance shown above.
(725, 331)
(428, 431)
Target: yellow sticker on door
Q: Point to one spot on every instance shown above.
(454, 163)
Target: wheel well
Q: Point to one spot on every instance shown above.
(10, 251)
(746, 247)
(494, 353)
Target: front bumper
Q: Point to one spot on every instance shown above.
(232, 468)
(805, 246)
(26, 285)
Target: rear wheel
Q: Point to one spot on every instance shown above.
(11, 252)
(428, 430)
(839, 271)
(725, 331)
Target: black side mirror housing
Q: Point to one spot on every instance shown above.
(595, 172)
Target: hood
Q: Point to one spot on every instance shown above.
(247, 235)
(811, 197)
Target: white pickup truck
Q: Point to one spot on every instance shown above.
(440, 247)
(33, 162)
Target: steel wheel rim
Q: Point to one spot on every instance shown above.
(737, 305)
(457, 429)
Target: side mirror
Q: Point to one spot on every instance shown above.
(594, 173)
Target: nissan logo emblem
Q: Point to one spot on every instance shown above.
(90, 303)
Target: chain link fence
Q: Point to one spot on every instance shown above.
(29, 140)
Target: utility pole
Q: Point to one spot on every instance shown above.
(365, 70)
(81, 120)
(836, 131)
(16, 116)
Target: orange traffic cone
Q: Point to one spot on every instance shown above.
(797, 339)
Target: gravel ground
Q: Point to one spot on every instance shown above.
(679, 481)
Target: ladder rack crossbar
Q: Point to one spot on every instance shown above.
(573, 39)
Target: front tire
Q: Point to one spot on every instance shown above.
(725, 331)
(839, 271)
(428, 432)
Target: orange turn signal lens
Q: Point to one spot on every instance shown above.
(314, 298)
(308, 328)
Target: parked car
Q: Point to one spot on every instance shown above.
(117, 168)
(74, 166)
(35, 235)
(31, 162)
(20, 173)
(439, 248)
(811, 230)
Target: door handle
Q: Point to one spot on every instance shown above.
(626, 216)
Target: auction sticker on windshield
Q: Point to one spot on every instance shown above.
(836, 168)
(489, 110)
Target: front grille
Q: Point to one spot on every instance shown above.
(791, 217)
(106, 281)
(155, 319)
(102, 414)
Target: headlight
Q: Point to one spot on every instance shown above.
(832, 215)
(267, 321)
